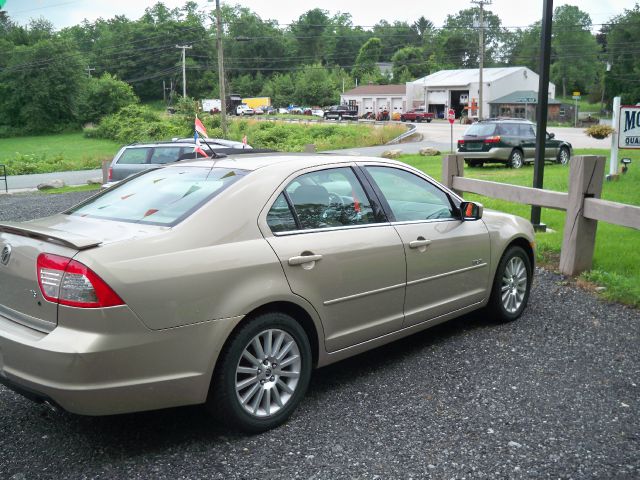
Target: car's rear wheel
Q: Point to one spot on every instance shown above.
(516, 159)
(564, 156)
(262, 373)
(511, 285)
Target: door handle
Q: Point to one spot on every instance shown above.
(302, 259)
(420, 242)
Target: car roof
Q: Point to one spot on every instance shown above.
(296, 161)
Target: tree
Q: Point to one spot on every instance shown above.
(103, 96)
(311, 35)
(623, 78)
(409, 62)
(314, 86)
(39, 87)
(575, 50)
(280, 88)
(367, 58)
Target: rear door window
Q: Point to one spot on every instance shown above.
(330, 198)
(510, 130)
(527, 131)
(162, 155)
(134, 156)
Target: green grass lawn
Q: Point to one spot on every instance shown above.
(54, 153)
(616, 264)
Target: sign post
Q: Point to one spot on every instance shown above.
(451, 116)
(615, 124)
(576, 97)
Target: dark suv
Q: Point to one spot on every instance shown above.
(508, 141)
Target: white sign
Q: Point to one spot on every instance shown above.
(629, 127)
(209, 104)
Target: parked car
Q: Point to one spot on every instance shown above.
(226, 282)
(135, 158)
(340, 112)
(243, 109)
(508, 141)
(258, 111)
(317, 112)
(283, 110)
(295, 110)
(417, 115)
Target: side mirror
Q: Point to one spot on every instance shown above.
(551, 135)
(471, 211)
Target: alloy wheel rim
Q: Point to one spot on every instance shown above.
(516, 160)
(268, 373)
(514, 285)
(564, 156)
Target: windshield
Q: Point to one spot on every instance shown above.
(159, 197)
(480, 130)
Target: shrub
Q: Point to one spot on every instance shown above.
(104, 96)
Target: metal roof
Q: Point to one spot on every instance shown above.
(378, 90)
(464, 77)
(523, 96)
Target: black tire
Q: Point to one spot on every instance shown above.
(223, 403)
(496, 308)
(564, 156)
(418, 120)
(428, 120)
(516, 159)
(402, 119)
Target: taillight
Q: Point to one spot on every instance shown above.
(460, 142)
(494, 139)
(110, 174)
(69, 282)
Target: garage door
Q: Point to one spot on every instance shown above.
(382, 103)
(367, 104)
(396, 105)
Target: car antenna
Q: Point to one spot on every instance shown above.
(213, 153)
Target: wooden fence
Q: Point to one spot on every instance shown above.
(582, 203)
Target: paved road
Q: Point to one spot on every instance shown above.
(436, 134)
(551, 396)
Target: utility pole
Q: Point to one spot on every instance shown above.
(221, 75)
(481, 4)
(184, 69)
(543, 107)
(89, 70)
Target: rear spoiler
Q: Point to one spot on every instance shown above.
(66, 239)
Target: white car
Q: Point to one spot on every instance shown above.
(317, 112)
(244, 109)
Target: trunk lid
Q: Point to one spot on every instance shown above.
(21, 299)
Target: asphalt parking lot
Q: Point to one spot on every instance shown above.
(553, 395)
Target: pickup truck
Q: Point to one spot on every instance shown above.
(244, 109)
(416, 115)
(338, 112)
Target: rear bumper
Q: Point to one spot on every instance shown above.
(493, 155)
(106, 362)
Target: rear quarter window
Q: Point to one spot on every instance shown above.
(481, 130)
(134, 156)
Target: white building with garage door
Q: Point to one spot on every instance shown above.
(458, 89)
(376, 98)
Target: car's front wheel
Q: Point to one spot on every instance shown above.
(516, 159)
(564, 156)
(262, 373)
(511, 285)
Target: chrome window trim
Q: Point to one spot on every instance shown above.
(429, 220)
(330, 229)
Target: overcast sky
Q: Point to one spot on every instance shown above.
(513, 13)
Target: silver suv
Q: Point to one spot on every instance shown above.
(134, 158)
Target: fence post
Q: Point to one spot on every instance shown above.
(452, 166)
(585, 181)
(105, 170)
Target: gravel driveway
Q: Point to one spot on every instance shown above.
(553, 395)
